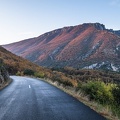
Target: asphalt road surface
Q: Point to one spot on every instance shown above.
(31, 99)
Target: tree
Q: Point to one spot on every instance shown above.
(28, 72)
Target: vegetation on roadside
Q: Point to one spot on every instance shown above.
(107, 95)
(100, 86)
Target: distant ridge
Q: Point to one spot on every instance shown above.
(89, 45)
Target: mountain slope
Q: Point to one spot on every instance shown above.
(15, 63)
(89, 45)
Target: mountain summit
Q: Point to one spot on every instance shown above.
(89, 45)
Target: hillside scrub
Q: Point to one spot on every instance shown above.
(85, 75)
(17, 65)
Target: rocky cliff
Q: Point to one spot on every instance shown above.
(4, 76)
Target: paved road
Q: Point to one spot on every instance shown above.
(31, 99)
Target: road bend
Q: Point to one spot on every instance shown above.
(31, 99)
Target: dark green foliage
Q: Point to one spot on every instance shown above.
(98, 91)
(115, 110)
(116, 94)
(67, 83)
(1, 62)
(79, 86)
(28, 72)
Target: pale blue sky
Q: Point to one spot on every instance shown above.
(22, 19)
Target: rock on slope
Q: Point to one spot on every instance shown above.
(89, 45)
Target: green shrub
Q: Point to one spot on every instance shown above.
(115, 110)
(28, 72)
(98, 91)
(116, 94)
(79, 86)
(39, 74)
(18, 73)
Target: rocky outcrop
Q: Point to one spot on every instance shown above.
(4, 76)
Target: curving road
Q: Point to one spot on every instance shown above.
(32, 99)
